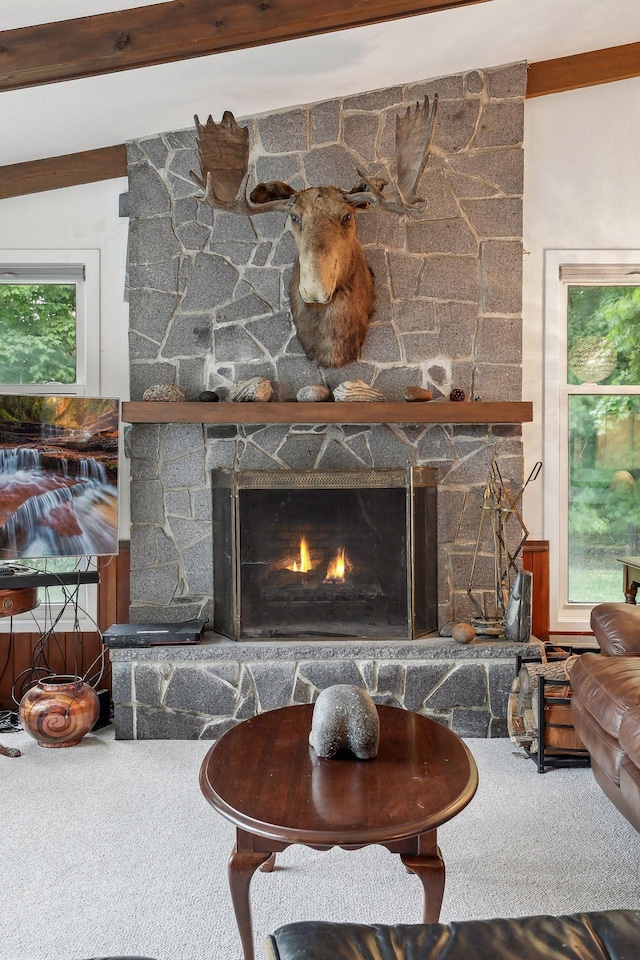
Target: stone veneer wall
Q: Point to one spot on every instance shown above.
(209, 306)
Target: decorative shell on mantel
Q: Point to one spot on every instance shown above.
(355, 390)
(257, 389)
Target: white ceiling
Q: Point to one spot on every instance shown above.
(99, 111)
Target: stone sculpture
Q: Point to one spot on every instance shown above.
(345, 719)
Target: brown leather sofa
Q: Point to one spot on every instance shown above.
(605, 705)
(609, 935)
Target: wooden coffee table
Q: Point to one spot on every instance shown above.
(264, 776)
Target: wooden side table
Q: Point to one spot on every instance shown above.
(264, 777)
(631, 577)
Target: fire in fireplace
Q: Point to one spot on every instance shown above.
(335, 554)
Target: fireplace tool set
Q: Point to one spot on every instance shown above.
(501, 511)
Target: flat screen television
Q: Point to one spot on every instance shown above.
(58, 477)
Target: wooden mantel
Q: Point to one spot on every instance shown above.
(438, 411)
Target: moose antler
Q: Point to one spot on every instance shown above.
(414, 133)
(223, 152)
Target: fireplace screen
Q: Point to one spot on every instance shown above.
(345, 554)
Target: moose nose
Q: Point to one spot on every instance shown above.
(312, 297)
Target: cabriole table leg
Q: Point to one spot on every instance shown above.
(242, 866)
(428, 866)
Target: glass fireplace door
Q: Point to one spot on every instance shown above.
(324, 554)
(323, 562)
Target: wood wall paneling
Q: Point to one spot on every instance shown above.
(535, 557)
(179, 30)
(64, 653)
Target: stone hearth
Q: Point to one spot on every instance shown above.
(199, 692)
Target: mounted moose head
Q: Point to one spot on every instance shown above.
(332, 291)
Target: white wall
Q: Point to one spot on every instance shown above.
(582, 191)
(85, 217)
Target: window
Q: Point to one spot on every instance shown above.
(592, 427)
(50, 344)
(47, 300)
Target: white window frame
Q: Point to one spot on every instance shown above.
(48, 266)
(562, 269)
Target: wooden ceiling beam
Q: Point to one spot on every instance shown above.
(36, 176)
(583, 70)
(179, 30)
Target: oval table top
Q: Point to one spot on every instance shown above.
(264, 776)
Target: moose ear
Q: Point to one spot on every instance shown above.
(360, 201)
(361, 196)
(273, 190)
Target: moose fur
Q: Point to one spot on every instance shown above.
(332, 288)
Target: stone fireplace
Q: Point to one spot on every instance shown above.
(209, 307)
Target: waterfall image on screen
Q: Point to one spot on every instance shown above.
(58, 477)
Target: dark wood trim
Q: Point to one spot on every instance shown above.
(179, 30)
(107, 592)
(113, 591)
(36, 176)
(443, 411)
(535, 557)
(123, 596)
(583, 70)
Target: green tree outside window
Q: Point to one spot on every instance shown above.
(603, 347)
(37, 333)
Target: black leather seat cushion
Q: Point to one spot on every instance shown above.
(609, 935)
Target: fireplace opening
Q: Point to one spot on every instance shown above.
(333, 554)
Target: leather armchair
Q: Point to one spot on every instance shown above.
(605, 706)
(616, 627)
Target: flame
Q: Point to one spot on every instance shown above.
(336, 568)
(305, 559)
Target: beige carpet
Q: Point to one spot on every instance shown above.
(109, 847)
